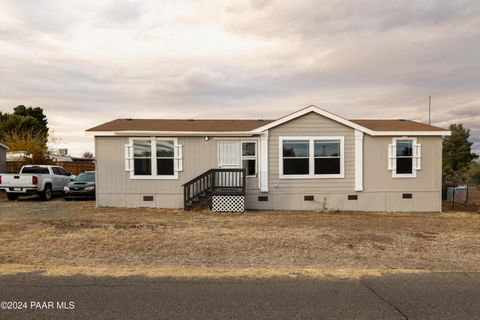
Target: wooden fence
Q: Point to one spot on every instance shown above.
(474, 195)
(75, 167)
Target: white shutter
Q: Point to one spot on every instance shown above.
(128, 157)
(417, 156)
(178, 162)
(392, 152)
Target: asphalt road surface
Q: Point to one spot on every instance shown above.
(407, 296)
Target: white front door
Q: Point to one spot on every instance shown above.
(228, 156)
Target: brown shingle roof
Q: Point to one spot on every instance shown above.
(179, 125)
(396, 125)
(243, 125)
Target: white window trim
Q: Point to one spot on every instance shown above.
(255, 157)
(311, 155)
(263, 164)
(358, 160)
(414, 171)
(153, 157)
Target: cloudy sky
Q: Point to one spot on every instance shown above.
(88, 62)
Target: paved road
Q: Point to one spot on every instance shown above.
(419, 296)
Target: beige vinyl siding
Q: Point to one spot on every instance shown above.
(426, 187)
(115, 188)
(381, 192)
(377, 177)
(312, 125)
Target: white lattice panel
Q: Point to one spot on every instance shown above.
(228, 203)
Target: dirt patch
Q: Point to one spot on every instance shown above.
(75, 235)
(425, 235)
(88, 224)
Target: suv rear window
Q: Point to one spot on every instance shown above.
(37, 170)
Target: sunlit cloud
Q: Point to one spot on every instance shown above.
(87, 62)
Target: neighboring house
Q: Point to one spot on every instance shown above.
(310, 159)
(83, 159)
(18, 155)
(60, 158)
(3, 158)
(60, 155)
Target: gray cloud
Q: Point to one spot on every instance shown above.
(122, 12)
(312, 18)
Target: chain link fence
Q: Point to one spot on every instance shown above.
(461, 198)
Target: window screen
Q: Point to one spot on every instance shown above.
(404, 157)
(165, 157)
(296, 157)
(327, 156)
(249, 157)
(142, 161)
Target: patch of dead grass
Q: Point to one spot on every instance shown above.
(76, 237)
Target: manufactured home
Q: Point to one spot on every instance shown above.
(311, 159)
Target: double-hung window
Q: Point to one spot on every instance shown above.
(311, 157)
(404, 157)
(142, 157)
(165, 157)
(249, 157)
(153, 158)
(296, 157)
(327, 156)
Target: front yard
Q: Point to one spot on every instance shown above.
(59, 236)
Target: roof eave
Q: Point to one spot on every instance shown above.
(121, 133)
(410, 133)
(247, 133)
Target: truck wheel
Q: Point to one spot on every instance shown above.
(12, 196)
(46, 194)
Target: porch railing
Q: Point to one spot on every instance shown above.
(213, 181)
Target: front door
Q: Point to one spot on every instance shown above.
(228, 158)
(229, 155)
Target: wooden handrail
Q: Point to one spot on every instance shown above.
(196, 178)
(210, 181)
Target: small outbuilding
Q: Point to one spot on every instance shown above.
(3, 158)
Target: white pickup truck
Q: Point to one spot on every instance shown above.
(40, 179)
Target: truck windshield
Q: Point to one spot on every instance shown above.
(36, 170)
(86, 177)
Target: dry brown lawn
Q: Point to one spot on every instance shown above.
(60, 234)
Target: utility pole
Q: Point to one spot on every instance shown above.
(429, 109)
